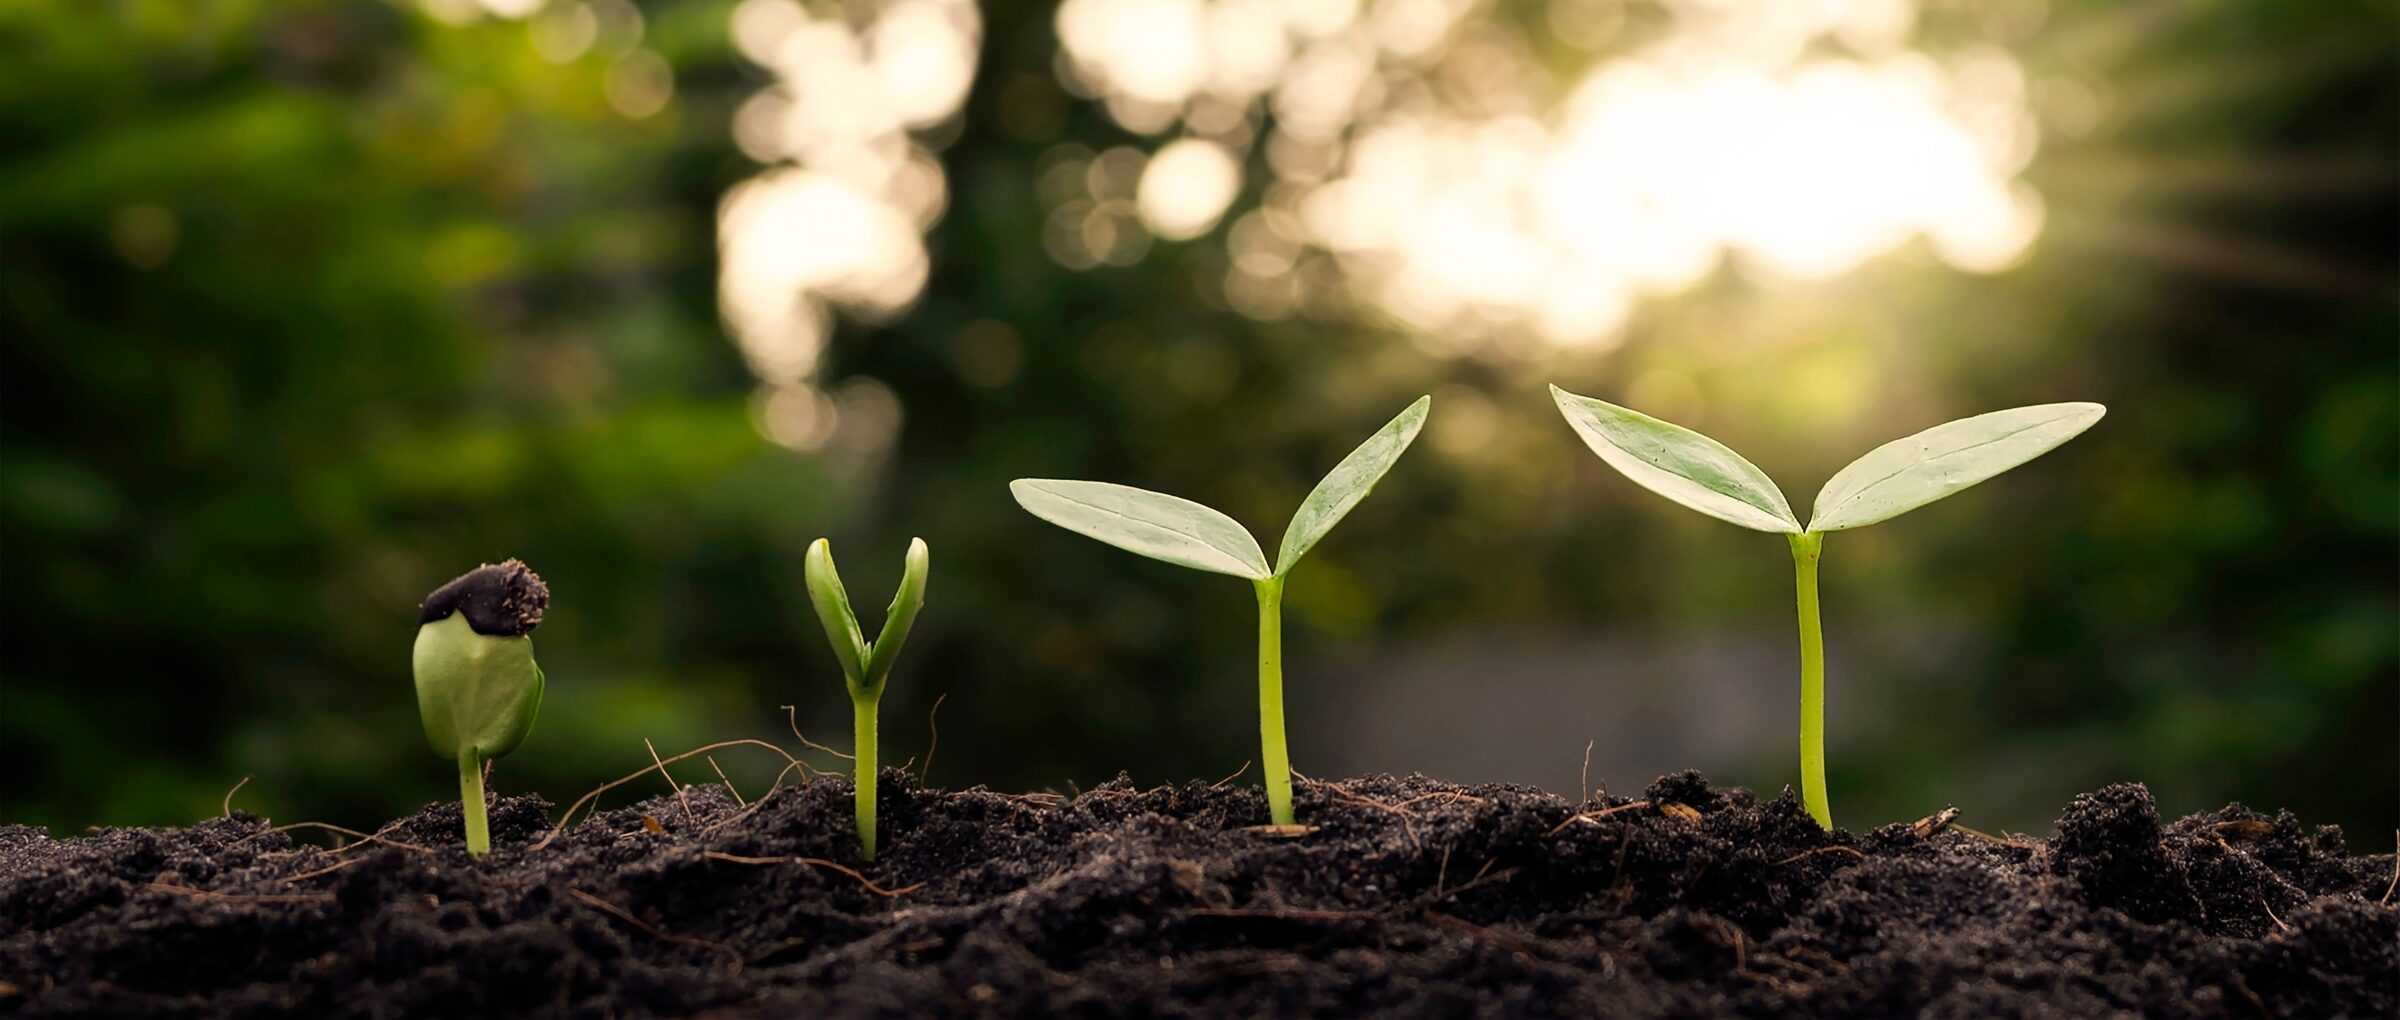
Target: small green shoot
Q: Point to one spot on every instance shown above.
(478, 688)
(1188, 534)
(1890, 480)
(865, 665)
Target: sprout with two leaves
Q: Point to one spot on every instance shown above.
(865, 664)
(1185, 533)
(1890, 480)
(477, 685)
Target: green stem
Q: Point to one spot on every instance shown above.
(470, 803)
(863, 724)
(1806, 549)
(1276, 761)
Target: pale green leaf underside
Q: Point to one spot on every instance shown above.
(1152, 524)
(474, 691)
(832, 602)
(1349, 482)
(1905, 474)
(866, 664)
(1678, 463)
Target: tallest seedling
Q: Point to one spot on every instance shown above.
(1182, 532)
(1890, 480)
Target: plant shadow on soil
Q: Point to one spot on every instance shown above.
(1405, 896)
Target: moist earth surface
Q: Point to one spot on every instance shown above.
(1400, 896)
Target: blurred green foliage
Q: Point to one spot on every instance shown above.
(309, 306)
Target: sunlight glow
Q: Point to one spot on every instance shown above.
(1798, 137)
(837, 221)
(1186, 187)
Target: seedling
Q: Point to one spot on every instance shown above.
(865, 665)
(1185, 533)
(1890, 480)
(477, 685)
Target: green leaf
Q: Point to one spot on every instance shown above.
(1905, 474)
(1349, 482)
(1153, 524)
(1678, 463)
(475, 692)
(902, 614)
(833, 609)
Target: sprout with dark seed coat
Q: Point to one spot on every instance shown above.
(477, 685)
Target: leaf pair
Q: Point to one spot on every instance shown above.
(1182, 532)
(1890, 480)
(865, 665)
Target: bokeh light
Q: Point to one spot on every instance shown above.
(837, 222)
(1456, 185)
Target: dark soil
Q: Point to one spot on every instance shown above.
(1408, 897)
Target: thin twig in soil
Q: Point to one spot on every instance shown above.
(1741, 952)
(752, 807)
(239, 897)
(1616, 872)
(1591, 817)
(330, 869)
(2001, 840)
(932, 723)
(791, 717)
(1583, 786)
(237, 788)
(1833, 964)
(1483, 876)
(363, 838)
(2270, 909)
(593, 796)
(1103, 796)
(729, 787)
(1442, 877)
(1852, 851)
(1451, 797)
(1786, 988)
(733, 959)
(820, 862)
(1772, 960)
(1237, 774)
(670, 778)
(1407, 826)
(1477, 931)
(770, 953)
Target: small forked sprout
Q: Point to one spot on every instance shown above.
(866, 665)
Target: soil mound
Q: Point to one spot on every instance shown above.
(1398, 896)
